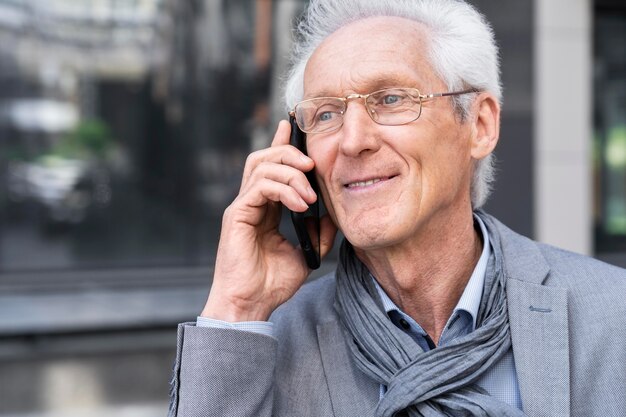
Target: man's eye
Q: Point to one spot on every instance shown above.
(391, 99)
(325, 116)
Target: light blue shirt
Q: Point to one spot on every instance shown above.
(500, 380)
(262, 327)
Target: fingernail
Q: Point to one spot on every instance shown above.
(311, 191)
(305, 158)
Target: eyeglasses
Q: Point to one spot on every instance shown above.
(390, 107)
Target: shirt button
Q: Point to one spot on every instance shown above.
(405, 324)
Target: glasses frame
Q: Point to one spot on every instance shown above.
(422, 98)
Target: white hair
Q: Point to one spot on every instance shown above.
(462, 52)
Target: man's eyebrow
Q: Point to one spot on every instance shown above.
(379, 83)
(389, 82)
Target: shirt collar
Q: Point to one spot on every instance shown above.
(470, 299)
(472, 295)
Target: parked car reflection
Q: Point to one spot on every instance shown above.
(64, 188)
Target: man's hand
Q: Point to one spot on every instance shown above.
(257, 269)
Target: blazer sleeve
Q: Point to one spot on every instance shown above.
(222, 372)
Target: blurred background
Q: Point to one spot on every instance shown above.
(124, 126)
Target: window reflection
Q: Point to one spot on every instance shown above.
(610, 129)
(124, 125)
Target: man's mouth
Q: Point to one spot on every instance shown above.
(366, 183)
(363, 183)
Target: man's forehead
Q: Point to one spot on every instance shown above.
(369, 54)
(365, 84)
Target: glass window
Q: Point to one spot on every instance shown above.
(610, 126)
(125, 124)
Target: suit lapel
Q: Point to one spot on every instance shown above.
(351, 392)
(539, 331)
(538, 318)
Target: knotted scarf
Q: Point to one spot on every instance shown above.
(439, 382)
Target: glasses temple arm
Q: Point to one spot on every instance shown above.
(453, 93)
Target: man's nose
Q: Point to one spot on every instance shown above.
(359, 131)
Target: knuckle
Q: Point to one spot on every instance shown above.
(253, 159)
(228, 213)
(257, 173)
(267, 187)
(264, 166)
(292, 152)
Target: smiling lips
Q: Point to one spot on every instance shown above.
(366, 183)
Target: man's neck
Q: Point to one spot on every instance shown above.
(426, 277)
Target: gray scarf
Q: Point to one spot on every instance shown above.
(439, 382)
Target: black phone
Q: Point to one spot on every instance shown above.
(307, 224)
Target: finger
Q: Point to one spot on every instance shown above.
(281, 137)
(284, 155)
(328, 231)
(266, 190)
(286, 175)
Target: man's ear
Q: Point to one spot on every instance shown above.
(486, 125)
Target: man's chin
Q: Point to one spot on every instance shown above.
(368, 239)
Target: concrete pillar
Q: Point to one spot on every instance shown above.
(563, 123)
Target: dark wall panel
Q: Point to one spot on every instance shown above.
(512, 199)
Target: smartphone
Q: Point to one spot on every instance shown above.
(307, 224)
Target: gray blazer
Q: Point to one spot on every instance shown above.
(568, 325)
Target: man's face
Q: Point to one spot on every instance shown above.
(386, 185)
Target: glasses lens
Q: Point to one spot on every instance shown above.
(395, 106)
(320, 114)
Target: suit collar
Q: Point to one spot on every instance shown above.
(521, 255)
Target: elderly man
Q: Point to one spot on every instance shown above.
(435, 308)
